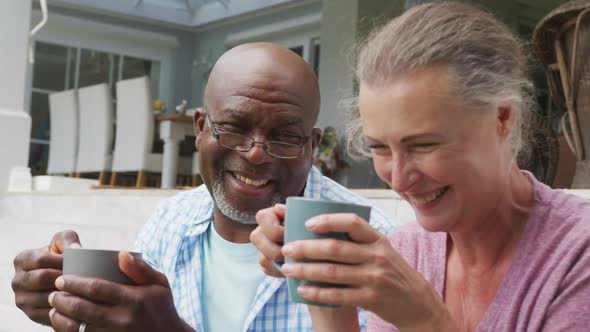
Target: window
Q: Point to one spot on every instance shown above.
(59, 68)
(309, 50)
(298, 50)
(315, 56)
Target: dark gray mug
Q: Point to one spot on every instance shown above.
(95, 263)
(299, 210)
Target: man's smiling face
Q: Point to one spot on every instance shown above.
(266, 99)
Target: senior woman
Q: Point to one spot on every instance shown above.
(443, 99)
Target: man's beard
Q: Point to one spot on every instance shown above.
(247, 217)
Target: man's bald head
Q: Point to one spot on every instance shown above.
(269, 65)
(266, 96)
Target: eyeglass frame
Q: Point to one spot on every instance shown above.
(253, 142)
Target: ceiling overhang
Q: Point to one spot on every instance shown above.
(181, 13)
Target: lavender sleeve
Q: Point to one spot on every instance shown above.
(570, 310)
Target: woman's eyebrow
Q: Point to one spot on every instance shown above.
(414, 137)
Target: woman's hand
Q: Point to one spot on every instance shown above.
(268, 238)
(378, 278)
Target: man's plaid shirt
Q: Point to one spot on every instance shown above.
(172, 242)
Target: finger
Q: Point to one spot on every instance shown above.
(280, 209)
(339, 296)
(36, 280)
(268, 267)
(35, 259)
(340, 251)
(270, 222)
(268, 248)
(80, 309)
(40, 316)
(97, 290)
(358, 229)
(139, 271)
(28, 301)
(341, 274)
(63, 323)
(64, 239)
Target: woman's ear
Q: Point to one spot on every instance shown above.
(506, 119)
(198, 124)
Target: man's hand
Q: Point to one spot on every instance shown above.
(268, 238)
(35, 274)
(108, 306)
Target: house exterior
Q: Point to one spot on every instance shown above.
(176, 42)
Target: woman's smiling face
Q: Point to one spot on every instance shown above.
(446, 160)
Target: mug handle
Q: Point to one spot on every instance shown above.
(277, 265)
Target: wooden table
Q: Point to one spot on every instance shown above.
(173, 129)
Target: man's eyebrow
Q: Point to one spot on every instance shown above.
(234, 114)
(238, 115)
(291, 121)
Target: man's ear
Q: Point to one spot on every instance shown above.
(316, 137)
(198, 124)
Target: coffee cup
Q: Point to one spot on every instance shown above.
(298, 211)
(95, 263)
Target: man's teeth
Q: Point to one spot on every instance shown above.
(429, 198)
(251, 182)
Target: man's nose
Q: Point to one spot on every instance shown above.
(257, 154)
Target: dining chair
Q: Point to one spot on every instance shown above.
(135, 132)
(95, 130)
(63, 136)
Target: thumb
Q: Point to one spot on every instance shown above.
(139, 271)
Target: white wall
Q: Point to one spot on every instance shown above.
(14, 35)
(15, 129)
(15, 125)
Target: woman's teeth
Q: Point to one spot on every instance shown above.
(251, 182)
(429, 198)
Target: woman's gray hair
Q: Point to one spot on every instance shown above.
(489, 61)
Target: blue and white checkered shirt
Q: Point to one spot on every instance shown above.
(172, 242)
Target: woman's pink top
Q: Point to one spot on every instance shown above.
(547, 287)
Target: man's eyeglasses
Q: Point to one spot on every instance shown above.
(242, 143)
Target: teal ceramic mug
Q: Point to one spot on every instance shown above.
(95, 263)
(299, 210)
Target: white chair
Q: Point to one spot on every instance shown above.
(63, 139)
(135, 132)
(15, 136)
(95, 130)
